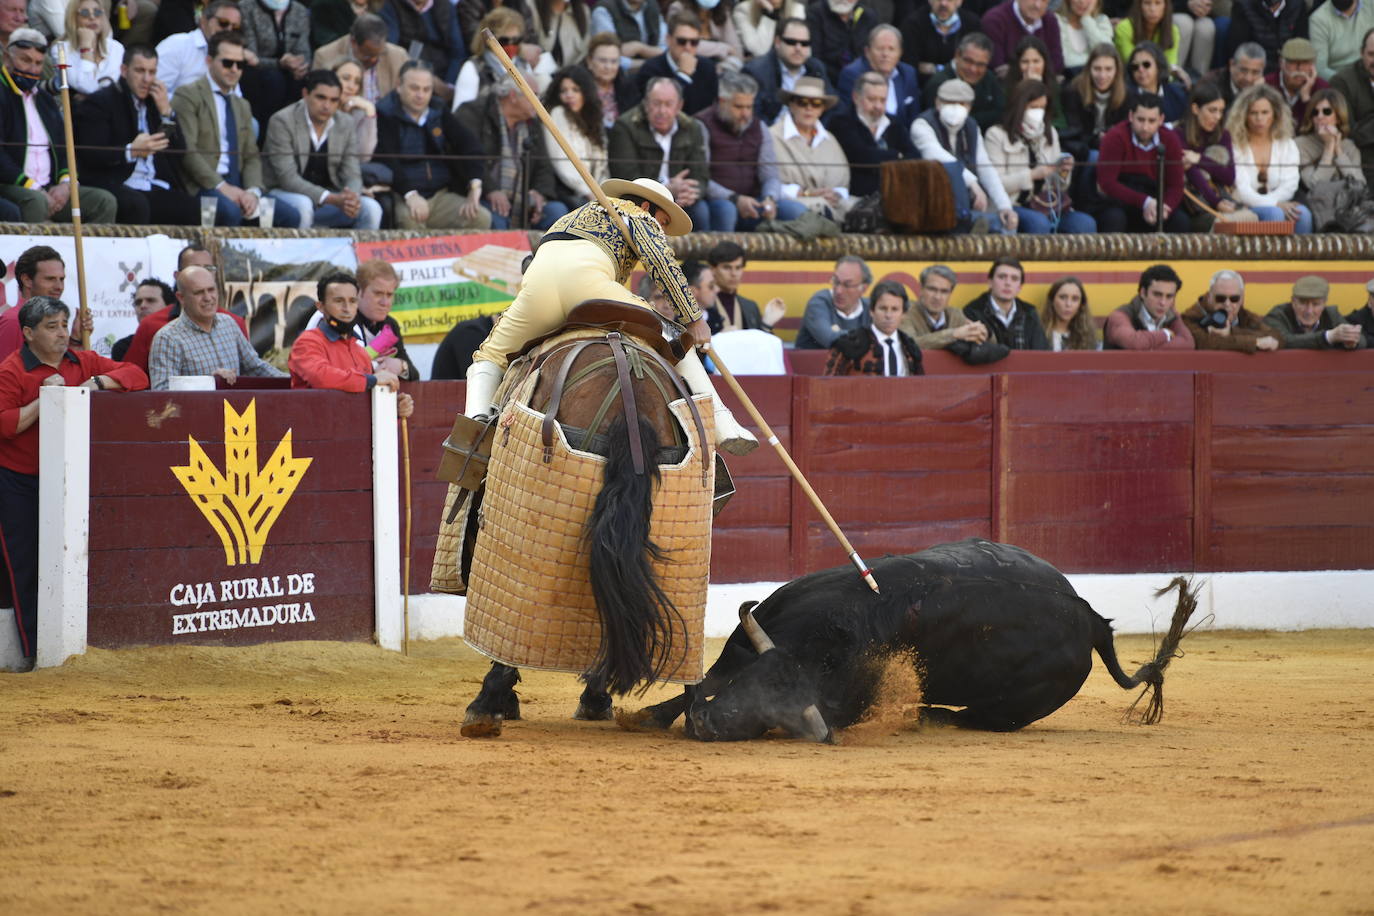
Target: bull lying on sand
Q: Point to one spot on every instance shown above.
(993, 630)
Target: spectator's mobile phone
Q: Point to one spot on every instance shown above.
(416, 49)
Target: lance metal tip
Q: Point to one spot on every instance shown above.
(864, 571)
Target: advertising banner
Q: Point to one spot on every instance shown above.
(450, 278)
(230, 519)
(272, 284)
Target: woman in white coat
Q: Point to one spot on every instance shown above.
(812, 165)
(1267, 159)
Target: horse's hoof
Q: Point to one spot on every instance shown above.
(641, 720)
(593, 713)
(481, 726)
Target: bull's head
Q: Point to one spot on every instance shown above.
(771, 692)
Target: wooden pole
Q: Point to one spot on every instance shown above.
(405, 576)
(495, 47)
(75, 186)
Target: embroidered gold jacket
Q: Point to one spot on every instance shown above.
(592, 223)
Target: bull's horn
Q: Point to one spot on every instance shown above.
(755, 632)
(818, 731)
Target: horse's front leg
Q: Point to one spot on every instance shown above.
(595, 703)
(496, 702)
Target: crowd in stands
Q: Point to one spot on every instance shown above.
(1069, 116)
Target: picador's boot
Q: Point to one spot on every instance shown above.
(730, 436)
(483, 379)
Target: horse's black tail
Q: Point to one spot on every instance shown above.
(636, 615)
(1151, 674)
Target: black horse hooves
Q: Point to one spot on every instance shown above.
(478, 725)
(594, 713)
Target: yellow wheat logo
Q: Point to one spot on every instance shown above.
(243, 502)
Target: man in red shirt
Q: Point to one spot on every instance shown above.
(1128, 172)
(43, 359)
(39, 271)
(330, 356)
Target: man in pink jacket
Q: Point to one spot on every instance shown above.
(1149, 322)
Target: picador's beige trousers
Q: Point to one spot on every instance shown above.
(564, 275)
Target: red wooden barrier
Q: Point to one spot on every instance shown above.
(158, 569)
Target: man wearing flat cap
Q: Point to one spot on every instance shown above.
(1307, 322)
(947, 134)
(1296, 79)
(1364, 317)
(583, 256)
(811, 163)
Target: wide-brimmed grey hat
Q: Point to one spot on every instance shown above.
(809, 87)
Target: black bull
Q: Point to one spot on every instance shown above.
(998, 636)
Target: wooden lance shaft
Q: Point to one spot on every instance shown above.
(405, 595)
(600, 196)
(76, 196)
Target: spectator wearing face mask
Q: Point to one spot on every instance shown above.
(945, 133)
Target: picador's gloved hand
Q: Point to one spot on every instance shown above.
(483, 380)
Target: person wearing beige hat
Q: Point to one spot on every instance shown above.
(811, 163)
(1296, 79)
(946, 133)
(1307, 322)
(1363, 318)
(583, 256)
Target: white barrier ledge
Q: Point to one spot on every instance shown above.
(191, 383)
(64, 488)
(386, 527)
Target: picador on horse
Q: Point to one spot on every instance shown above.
(586, 548)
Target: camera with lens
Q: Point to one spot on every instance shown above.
(1218, 319)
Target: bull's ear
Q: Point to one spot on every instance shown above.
(752, 629)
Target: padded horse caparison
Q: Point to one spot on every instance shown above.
(616, 343)
(635, 321)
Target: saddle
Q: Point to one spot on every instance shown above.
(652, 330)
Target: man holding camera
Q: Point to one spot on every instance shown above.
(1220, 320)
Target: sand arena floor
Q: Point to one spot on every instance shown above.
(328, 778)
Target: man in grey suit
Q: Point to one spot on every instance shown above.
(366, 43)
(311, 160)
(222, 160)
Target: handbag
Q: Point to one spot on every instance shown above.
(1052, 197)
(1341, 205)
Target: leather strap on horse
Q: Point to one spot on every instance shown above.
(560, 381)
(627, 391)
(686, 395)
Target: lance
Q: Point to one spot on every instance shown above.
(75, 187)
(619, 223)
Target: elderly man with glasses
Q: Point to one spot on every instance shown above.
(1219, 319)
(839, 309)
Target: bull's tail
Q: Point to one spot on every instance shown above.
(636, 615)
(1151, 674)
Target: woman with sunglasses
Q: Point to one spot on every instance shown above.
(1024, 148)
(481, 69)
(93, 55)
(1267, 157)
(1325, 150)
(812, 165)
(1148, 72)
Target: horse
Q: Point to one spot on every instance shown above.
(610, 394)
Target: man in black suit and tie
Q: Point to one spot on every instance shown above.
(696, 75)
(136, 114)
(869, 137)
(781, 67)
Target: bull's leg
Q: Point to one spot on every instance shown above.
(595, 703)
(496, 702)
(1026, 705)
